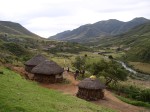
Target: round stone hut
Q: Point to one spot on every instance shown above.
(30, 64)
(90, 89)
(48, 72)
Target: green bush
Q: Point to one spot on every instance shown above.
(14, 48)
(134, 102)
(132, 92)
(145, 95)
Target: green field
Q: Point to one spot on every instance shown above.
(66, 59)
(142, 67)
(20, 95)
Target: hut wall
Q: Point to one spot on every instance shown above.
(90, 94)
(28, 68)
(59, 77)
(45, 78)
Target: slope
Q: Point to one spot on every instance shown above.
(19, 95)
(15, 29)
(137, 41)
(93, 32)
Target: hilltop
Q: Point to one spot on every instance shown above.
(13, 28)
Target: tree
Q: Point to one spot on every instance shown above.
(111, 71)
(110, 57)
(79, 64)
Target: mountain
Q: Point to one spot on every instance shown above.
(138, 40)
(8, 27)
(136, 35)
(135, 42)
(92, 32)
(18, 43)
(12, 32)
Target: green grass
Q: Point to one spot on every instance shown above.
(67, 61)
(20, 95)
(141, 67)
(134, 102)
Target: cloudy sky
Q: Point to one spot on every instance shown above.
(48, 17)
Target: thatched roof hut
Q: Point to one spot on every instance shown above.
(33, 62)
(48, 72)
(90, 89)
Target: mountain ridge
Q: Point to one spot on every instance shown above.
(99, 29)
(15, 29)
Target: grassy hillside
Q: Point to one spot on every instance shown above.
(94, 32)
(19, 44)
(142, 67)
(16, 42)
(12, 51)
(21, 49)
(137, 41)
(19, 95)
(135, 36)
(15, 29)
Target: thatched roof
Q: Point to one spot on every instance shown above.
(47, 68)
(89, 83)
(35, 60)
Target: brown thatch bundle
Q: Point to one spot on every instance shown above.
(47, 68)
(35, 60)
(89, 83)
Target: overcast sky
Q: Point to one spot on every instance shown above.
(48, 17)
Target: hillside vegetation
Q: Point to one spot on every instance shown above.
(20, 95)
(15, 29)
(136, 43)
(19, 44)
(93, 32)
(138, 39)
(15, 42)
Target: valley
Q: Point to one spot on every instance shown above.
(128, 43)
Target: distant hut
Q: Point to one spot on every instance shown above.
(30, 64)
(90, 89)
(48, 72)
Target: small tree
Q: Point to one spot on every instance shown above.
(111, 71)
(79, 64)
(110, 57)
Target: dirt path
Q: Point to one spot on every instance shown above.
(109, 100)
(70, 88)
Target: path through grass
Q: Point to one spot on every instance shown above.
(20, 95)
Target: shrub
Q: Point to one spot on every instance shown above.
(132, 92)
(134, 102)
(145, 95)
(14, 48)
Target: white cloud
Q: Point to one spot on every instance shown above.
(48, 17)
